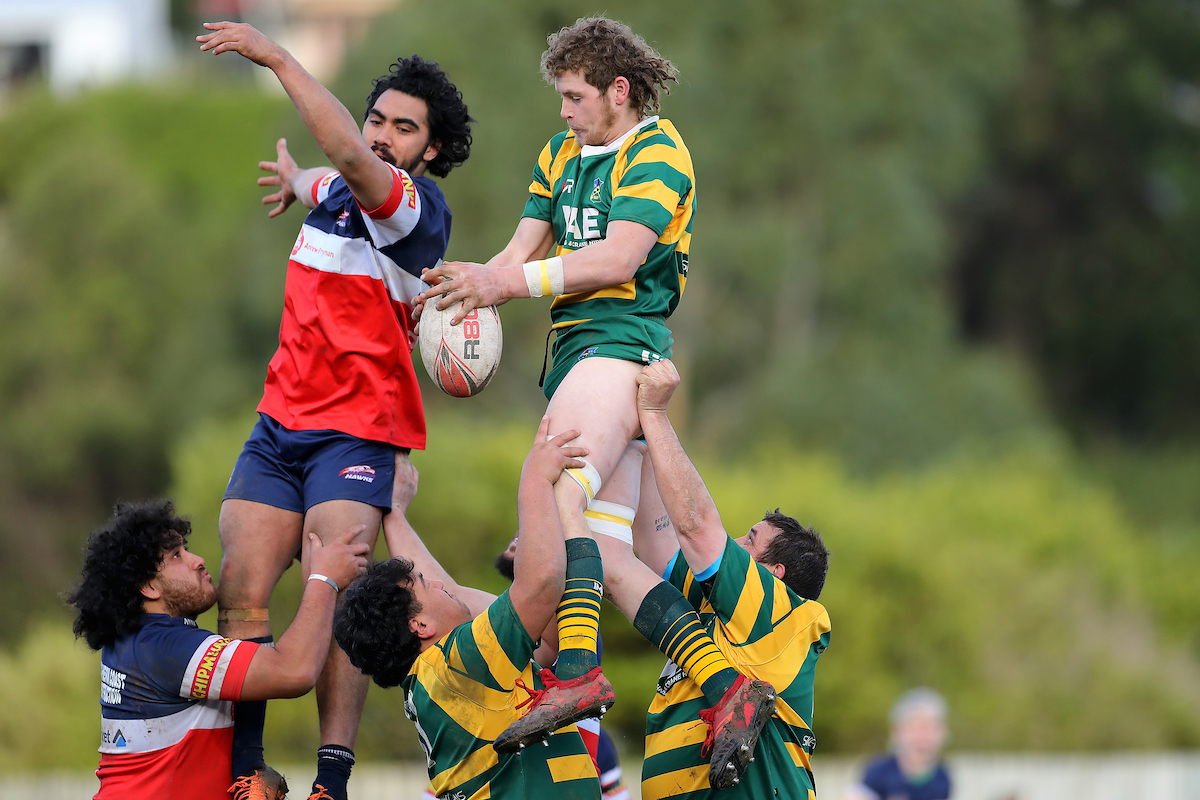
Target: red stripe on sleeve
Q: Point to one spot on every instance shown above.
(235, 673)
(394, 198)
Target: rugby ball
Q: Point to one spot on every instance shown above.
(461, 358)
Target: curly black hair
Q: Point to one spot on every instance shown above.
(449, 123)
(802, 552)
(119, 559)
(371, 622)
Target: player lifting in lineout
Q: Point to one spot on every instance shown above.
(459, 654)
(606, 230)
(341, 397)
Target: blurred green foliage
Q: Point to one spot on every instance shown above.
(875, 181)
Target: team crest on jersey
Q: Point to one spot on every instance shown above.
(359, 472)
(341, 220)
(591, 351)
(596, 190)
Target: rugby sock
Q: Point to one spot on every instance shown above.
(579, 610)
(334, 763)
(668, 620)
(249, 717)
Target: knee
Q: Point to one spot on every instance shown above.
(242, 585)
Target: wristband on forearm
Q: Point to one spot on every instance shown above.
(316, 576)
(545, 277)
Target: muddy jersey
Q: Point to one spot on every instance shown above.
(645, 177)
(166, 724)
(344, 361)
(766, 632)
(462, 693)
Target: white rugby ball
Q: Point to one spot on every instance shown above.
(461, 358)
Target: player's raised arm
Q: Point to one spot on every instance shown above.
(541, 562)
(404, 542)
(291, 668)
(697, 522)
(331, 125)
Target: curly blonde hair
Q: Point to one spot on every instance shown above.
(603, 49)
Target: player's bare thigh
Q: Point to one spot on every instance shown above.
(333, 518)
(598, 397)
(258, 543)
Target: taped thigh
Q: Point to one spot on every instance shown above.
(610, 519)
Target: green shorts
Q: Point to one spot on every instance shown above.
(630, 338)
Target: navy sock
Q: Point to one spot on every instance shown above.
(249, 717)
(334, 763)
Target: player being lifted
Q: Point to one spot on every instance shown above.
(459, 653)
(341, 397)
(613, 197)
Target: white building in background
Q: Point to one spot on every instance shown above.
(73, 44)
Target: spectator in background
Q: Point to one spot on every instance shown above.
(914, 769)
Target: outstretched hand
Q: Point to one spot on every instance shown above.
(343, 560)
(243, 39)
(283, 168)
(550, 456)
(656, 383)
(475, 284)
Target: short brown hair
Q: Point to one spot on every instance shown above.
(603, 49)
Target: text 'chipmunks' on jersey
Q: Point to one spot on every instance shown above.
(344, 361)
(166, 727)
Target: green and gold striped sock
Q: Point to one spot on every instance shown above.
(579, 609)
(668, 620)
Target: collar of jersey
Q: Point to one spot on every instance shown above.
(598, 150)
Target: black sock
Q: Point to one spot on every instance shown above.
(334, 763)
(249, 717)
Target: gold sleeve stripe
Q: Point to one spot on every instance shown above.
(570, 768)
(655, 191)
(670, 783)
(745, 614)
(677, 228)
(788, 714)
(673, 157)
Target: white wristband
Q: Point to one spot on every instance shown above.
(316, 576)
(545, 277)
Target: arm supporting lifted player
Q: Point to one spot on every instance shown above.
(358, 155)
(698, 527)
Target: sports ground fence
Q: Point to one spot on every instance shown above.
(1116, 776)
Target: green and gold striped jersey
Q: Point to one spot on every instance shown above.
(645, 177)
(460, 694)
(766, 632)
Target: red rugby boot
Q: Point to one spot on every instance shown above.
(734, 725)
(556, 706)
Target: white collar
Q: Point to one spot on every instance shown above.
(601, 149)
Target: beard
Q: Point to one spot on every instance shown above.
(390, 157)
(188, 599)
(504, 565)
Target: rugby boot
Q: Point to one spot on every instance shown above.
(263, 784)
(734, 725)
(319, 793)
(556, 706)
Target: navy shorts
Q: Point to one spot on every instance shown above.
(295, 470)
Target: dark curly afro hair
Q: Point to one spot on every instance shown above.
(118, 561)
(449, 122)
(371, 622)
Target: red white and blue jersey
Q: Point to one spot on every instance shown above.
(344, 361)
(166, 722)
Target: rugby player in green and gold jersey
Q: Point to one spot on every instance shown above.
(757, 594)
(606, 229)
(459, 654)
